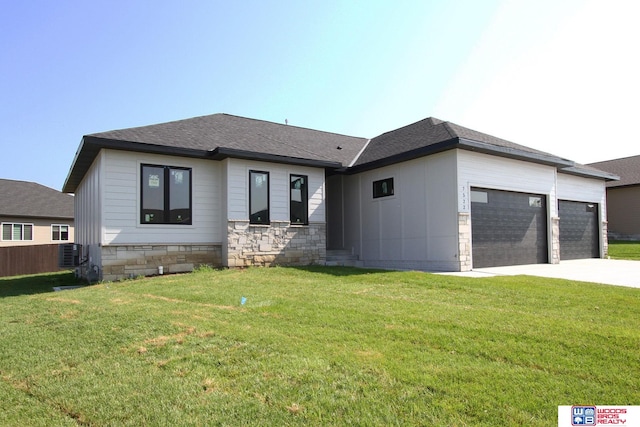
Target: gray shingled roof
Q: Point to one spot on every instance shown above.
(627, 168)
(219, 136)
(438, 134)
(222, 135)
(32, 200)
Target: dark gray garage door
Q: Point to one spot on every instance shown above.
(579, 231)
(508, 228)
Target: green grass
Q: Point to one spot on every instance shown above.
(624, 250)
(314, 346)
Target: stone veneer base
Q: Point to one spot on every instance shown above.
(279, 243)
(127, 261)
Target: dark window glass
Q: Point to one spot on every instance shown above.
(55, 232)
(6, 231)
(28, 232)
(298, 200)
(383, 188)
(166, 195)
(258, 197)
(64, 232)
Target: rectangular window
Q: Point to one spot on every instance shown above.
(299, 200)
(166, 195)
(22, 232)
(383, 188)
(258, 197)
(59, 232)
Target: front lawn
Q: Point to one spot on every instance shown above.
(622, 249)
(316, 346)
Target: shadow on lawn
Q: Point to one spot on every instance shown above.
(338, 270)
(37, 283)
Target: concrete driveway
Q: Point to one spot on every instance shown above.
(607, 271)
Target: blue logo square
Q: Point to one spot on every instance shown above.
(583, 415)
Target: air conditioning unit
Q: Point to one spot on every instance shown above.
(69, 255)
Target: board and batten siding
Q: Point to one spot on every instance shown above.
(416, 227)
(237, 176)
(499, 173)
(121, 202)
(88, 212)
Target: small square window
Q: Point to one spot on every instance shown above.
(383, 188)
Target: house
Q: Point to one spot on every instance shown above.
(623, 197)
(233, 191)
(32, 214)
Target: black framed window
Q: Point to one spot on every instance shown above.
(298, 200)
(258, 197)
(166, 195)
(383, 188)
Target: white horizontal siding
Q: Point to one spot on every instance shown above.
(238, 189)
(499, 173)
(121, 208)
(579, 189)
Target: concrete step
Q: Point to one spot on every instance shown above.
(342, 257)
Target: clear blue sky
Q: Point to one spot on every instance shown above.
(557, 76)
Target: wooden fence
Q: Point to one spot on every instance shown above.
(35, 259)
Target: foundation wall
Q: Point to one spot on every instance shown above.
(127, 261)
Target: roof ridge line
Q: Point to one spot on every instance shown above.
(355, 159)
(448, 129)
(287, 125)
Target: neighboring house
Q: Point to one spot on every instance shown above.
(32, 214)
(232, 191)
(623, 197)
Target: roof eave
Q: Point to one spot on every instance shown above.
(513, 153)
(589, 173)
(90, 146)
(222, 153)
(464, 144)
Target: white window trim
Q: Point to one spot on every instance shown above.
(22, 239)
(61, 225)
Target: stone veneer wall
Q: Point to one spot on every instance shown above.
(126, 261)
(555, 240)
(464, 240)
(279, 243)
(605, 239)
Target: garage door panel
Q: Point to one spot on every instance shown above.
(579, 230)
(508, 228)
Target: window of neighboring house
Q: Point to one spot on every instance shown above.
(13, 231)
(383, 188)
(59, 232)
(166, 195)
(258, 197)
(298, 200)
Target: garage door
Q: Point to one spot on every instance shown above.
(508, 228)
(579, 231)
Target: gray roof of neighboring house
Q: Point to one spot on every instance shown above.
(219, 136)
(32, 200)
(627, 168)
